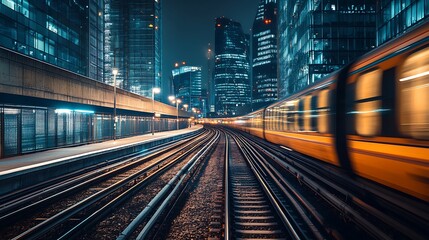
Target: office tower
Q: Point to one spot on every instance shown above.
(396, 17)
(319, 37)
(133, 44)
(210, 82)
(264, 55)
(187, 86)
(231, 72)
(67, 34)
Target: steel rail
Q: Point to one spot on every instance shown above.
(59, 190)
(173, 184)
(45, 226)
(290, 226)
(329, 197)
(228, 235)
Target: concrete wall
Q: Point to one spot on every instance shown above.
(24, 76)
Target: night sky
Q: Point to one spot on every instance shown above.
(188, 26)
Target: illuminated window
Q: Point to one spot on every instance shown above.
(298, 115)
(307, 113)
(323, 111)
(291, 112)
(368, 103)
(414, 95)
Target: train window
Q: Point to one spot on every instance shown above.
(284, 123)
(313, 113)
(307, 113)
(284, 118)
(300, 116)
(276, 118)
(268, 119)
(281, 118)
(368, 103)
(323, 111)
(290, 106)
(414, 95)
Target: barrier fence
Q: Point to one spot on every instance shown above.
(26, 129)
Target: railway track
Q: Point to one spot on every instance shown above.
(266, 194)
(144, 225)
(115, 183)
(347, 202)
(252, 215)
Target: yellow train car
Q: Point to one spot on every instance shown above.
(370, 118)
(303, 122)
(388, 114)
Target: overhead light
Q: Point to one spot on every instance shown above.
(63, 110)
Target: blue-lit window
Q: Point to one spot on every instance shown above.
(9, 3)
(38, 42)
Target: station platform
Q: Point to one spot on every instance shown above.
(51, 163)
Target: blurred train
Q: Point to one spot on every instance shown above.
(370, 118)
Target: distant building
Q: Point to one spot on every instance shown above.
(264, 55)
(210, 82)
(396, 17)
(67, 34)
(133, 44)
(231, 72)
(318, 37)
(187, 86)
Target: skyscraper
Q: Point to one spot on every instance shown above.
(396, 17)
(319, 37)
(210, 82)
(187, 85)
(264, 55)
(68, 34)
(231, 73)
(133, 44)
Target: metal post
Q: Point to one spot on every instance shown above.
(114, 107)
(177, 107)
(154, 90)
(153, 111)
(114, 72)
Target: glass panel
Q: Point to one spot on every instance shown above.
(77, 127)
(60, 129)
(28, 130)
(414, 95)
(11, 118)
(69, 123)
(51, 128)
(40, 129)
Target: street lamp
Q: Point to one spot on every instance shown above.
(154, 91)
(185, 106)
(114, 72)
(177, 106)
(177, 101)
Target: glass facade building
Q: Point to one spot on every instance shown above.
(395, 17)
(319, 37)
(231, 71)
(133, 44)
(264, 55)
(187, 86)
(67, 34)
